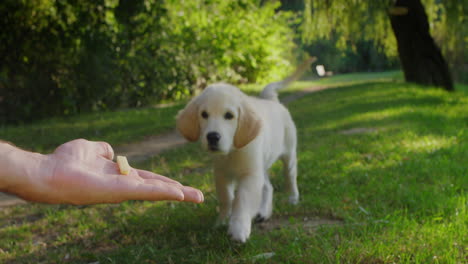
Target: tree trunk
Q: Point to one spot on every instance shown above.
(421, 59)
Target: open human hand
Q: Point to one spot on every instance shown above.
(82, 172)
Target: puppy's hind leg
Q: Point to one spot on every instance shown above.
(290, 173)
(266, 207)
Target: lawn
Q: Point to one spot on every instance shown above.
(382, 164)
(115, 127)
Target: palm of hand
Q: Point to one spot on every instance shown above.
(82, 172)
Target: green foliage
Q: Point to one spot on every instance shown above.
(44, 43)
(332, 32)
(348, 22)
(235, 41)
(361, 55)
(67, 57)
(449, 26)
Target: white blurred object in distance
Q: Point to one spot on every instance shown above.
(320, 70)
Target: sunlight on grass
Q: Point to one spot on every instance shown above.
(427, 144)
(409, 241)
(332, 81)
(191, 164)
(358, 78)
(372, 117)
(389, 113)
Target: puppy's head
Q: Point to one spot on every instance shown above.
(222, 117)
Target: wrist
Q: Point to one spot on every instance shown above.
(18, 168)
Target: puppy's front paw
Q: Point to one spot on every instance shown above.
(259, 218)
(294, 199)
(239, 230)
(262, 216)
(264, 213)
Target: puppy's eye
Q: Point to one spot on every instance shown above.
(204, 114)
(228, 116)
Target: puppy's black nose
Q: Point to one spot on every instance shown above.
(213, 138)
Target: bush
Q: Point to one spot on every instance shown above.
(68, 57)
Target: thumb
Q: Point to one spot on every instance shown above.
(105, 150)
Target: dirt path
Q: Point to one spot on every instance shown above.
(143, 150)
(8, 200)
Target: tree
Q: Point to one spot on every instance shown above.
(421, 59)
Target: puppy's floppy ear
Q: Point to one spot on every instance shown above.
(248, 125)
(187, 121)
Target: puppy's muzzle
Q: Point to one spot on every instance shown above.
(213, 139)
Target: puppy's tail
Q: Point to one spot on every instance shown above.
(270, 92)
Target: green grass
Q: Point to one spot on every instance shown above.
(398, 192)
(117, 127)
(114, 127)
(462, 88)
(334, 81)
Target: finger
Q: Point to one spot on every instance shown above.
(156, 191)
(156, 181)
(105, 150)
(192, 195)
(149, 175)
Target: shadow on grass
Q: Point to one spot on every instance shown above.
(163, 235)
(184, 235)
(417, 142)
(379, 105)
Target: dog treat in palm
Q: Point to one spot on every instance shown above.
(124, 167)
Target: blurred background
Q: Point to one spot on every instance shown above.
(61, 58)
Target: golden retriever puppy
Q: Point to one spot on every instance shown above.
(246, 135)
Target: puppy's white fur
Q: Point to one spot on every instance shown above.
(260, 132)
